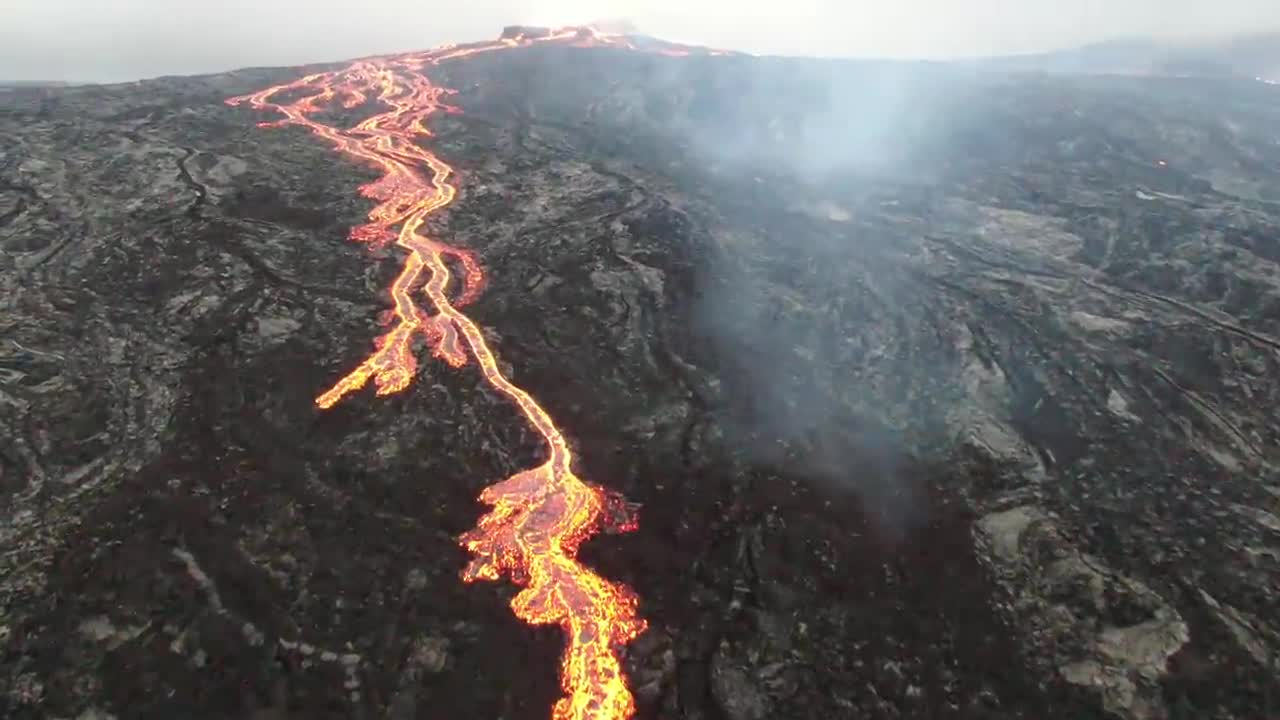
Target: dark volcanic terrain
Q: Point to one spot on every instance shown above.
(943, 394)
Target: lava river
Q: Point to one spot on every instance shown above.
(539, 516)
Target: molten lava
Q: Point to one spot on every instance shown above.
(539, 516)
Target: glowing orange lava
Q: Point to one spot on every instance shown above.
(540, 516)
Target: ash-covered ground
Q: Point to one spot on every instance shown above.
(944, 394)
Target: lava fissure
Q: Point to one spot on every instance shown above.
(539, 516)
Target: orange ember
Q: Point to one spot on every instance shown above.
(540, 516)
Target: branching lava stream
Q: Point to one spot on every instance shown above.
(539, 516)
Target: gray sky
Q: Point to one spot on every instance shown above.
(107, 40)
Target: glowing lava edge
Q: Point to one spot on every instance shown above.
(540, 516)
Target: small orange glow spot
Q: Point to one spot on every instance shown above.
(538, 517)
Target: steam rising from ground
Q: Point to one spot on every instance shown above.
(803, 305)
(819, 125)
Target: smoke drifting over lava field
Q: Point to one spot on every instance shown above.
(937, 391)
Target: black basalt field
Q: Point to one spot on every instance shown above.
(944, 392)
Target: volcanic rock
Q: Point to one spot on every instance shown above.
(526, 31)
(944, 393)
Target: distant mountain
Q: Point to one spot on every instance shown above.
(1253, 56)
(32, 83)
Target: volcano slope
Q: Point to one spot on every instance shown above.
(942, 394)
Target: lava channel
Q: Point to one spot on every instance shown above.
(539, 516)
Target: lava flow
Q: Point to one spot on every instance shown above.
(539, 516)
